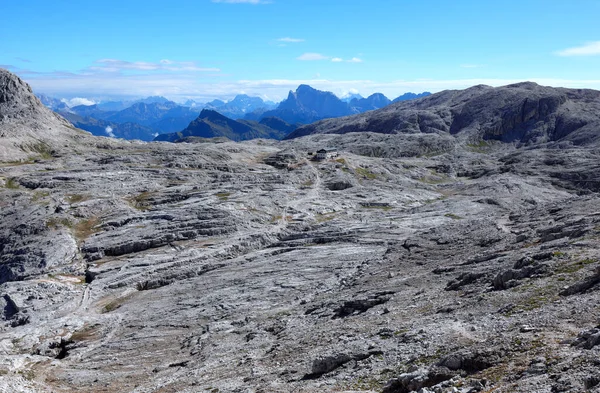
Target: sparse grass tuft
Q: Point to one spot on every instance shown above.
(365, 173)
(39, 195)
(56, 223)
(140, 201)
(479, 147)
(575, 267)
(325, 217)
(115, 303)
(275, 219)
(85, 228)
(223, 195)
(453, 216)
(11, 183)
(76, 198)
(86, 333)
(44, 151)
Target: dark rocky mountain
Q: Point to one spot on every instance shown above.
(307, 105)
(374, 101)
(523, 113)
(411, 96)
(279, 125)
(211, 124)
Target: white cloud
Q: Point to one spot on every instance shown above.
(78, 101)
(109, 131)
(290, 39)
(355, 60)
(242, 1)
(312, 57)
(589, 49)
(114, 65)
(337, 59)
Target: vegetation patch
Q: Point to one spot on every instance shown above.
(479, 147)
(56, 223)
(76, 198)
(325, 217)
(115, 304)
(223, 195)
(86, 333)
(38, 195)
(141, 201)
(575, 267)
(85, 228)
(44, 151)
(365, 173)
(11, 183)
(453, 216)
(275, 219)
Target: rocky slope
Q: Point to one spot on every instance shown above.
(524, 113)
(27, 128)
(247, 267)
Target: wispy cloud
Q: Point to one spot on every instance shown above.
(312, 57)
(114, 65)
(317, 56)
(354, 60)
(588, 49)
(290, 39)
(23, 59)
(243, 1)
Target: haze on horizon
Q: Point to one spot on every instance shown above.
(210, 49)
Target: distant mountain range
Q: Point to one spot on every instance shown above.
(307, 105)
(146, 118)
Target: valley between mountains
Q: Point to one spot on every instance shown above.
(452, 246)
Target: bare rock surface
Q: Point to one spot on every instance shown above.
(243, 267)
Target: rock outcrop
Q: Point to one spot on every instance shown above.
(27, 128)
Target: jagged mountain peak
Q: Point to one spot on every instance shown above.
(27, 127)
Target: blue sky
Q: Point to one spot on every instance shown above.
(205, 49)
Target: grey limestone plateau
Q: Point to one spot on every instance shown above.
(453, 246)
